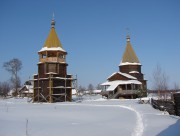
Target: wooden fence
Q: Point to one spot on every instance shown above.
(162, 105)
(177, 103)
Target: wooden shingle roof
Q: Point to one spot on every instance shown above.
(129, 56)
(52, 40)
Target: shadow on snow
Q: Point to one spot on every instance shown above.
(173, 130)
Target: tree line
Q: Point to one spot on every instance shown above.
(89, 88)
(160, 79)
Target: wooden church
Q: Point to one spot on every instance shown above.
(129, 82)
(52, 83)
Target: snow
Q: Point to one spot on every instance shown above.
(40, 79)
(62, 78)
(74, 92)
(133, 72)
(94, 116)
(51, 73)
(52, 49)
(128, 63)
(113, 84)
(124, 74)
(30, 89)
(97, 91)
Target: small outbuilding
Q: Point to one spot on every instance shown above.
(27, 89)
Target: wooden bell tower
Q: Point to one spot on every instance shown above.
(52, 83)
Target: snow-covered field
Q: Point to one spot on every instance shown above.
(91, 117)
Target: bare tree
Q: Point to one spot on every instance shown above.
(90, 88)
(81, 89)
(160, 80)
(99, 87)
(1, 91)
(13, 67)
(176, 86)
(4, 89)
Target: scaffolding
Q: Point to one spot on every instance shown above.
(40, 95)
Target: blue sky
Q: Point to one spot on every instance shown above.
(93, 32)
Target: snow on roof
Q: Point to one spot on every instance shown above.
(51, 73)
(63, 78)
(96, 91)
(28, 89)
(74, 91)
(52, 49)
(133, 72)
(26, 92)
(124, 74)
(105, 83)
(60, 87)
(128, 63)
(121, 82)
(113, 84)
